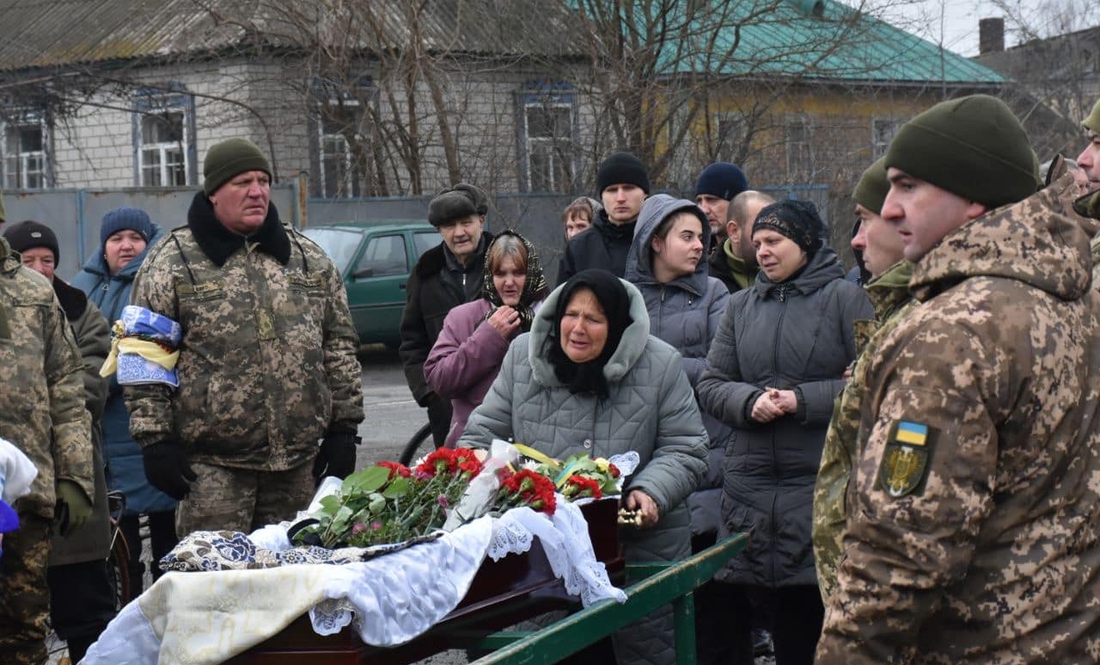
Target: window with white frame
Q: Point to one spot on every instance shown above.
(800, 153)
(546, 132)
(26, 143)
(882, 132)
(162, 153)
(164, 150)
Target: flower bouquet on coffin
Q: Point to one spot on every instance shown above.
(390, 503)
(581, 476)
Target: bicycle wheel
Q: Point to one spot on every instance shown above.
(118, 568)
(118, 561)
(409, 453)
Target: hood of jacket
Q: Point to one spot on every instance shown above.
(890, 290)
(1035, 241)
(639, 264)
(97, 262)
(823, 268)
(622, 360)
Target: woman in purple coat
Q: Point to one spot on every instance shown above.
(467, 355)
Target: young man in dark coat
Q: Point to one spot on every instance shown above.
(445, 276)
(623, 184)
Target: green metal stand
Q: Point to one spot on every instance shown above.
(662, 584)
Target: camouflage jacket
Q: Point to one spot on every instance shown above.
(974, 526)
(41, 384)
(267, 364)
(889, 293)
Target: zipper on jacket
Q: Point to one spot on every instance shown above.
(775, 463)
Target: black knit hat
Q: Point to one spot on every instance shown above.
(973, 146)
(798, 220)
(458, 202)
(721, 179)
(28, 234)
(873, 186)
(228, 158)
(622, 168)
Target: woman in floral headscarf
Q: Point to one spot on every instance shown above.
(475, 336)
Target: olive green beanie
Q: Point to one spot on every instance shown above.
(870, 191)
(1093, 121)
(973, 147)
(228, 158)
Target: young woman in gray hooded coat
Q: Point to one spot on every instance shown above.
(667, 262)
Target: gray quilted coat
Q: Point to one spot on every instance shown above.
(795, 335)
(651, 409)
(684, 312)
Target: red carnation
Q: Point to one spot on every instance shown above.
(396, 469)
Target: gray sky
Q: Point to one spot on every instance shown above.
(957, 22)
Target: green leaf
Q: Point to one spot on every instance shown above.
(330, 504)
(365, 480)
(377, 503)
(398, 487)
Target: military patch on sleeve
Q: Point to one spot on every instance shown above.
(906, 460)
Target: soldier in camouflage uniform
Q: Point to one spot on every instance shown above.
(42, 393)
(974, 521)
(267, 363)
(82, 594)
(889, 293)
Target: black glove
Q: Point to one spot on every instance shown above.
(167, 469)
(337, 455)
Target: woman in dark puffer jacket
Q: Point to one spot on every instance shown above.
(773, 371)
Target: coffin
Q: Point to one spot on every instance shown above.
(503, 592)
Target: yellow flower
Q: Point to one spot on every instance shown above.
(602, 464)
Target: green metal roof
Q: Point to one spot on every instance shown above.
(815, 39)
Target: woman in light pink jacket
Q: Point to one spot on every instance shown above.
(467, 355)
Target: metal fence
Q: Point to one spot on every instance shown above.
(76, 214)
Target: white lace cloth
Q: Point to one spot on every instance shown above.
(206, 618)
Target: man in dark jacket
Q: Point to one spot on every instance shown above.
(623, 184)
(445, 276)
(734, 262)
(717, 185)
(82, 599)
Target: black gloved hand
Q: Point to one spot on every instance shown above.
(337, 455)
(167, 469)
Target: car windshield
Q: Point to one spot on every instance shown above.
(339, 244)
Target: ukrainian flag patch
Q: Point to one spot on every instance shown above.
(915, 434)
(906, 460)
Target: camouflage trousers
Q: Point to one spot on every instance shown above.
(24, 593)
(228, 499)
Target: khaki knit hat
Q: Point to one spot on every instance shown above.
(871, 190)
(228, 158)
(1093, 121)
(973, 146)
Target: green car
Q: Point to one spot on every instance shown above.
(375, 259)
